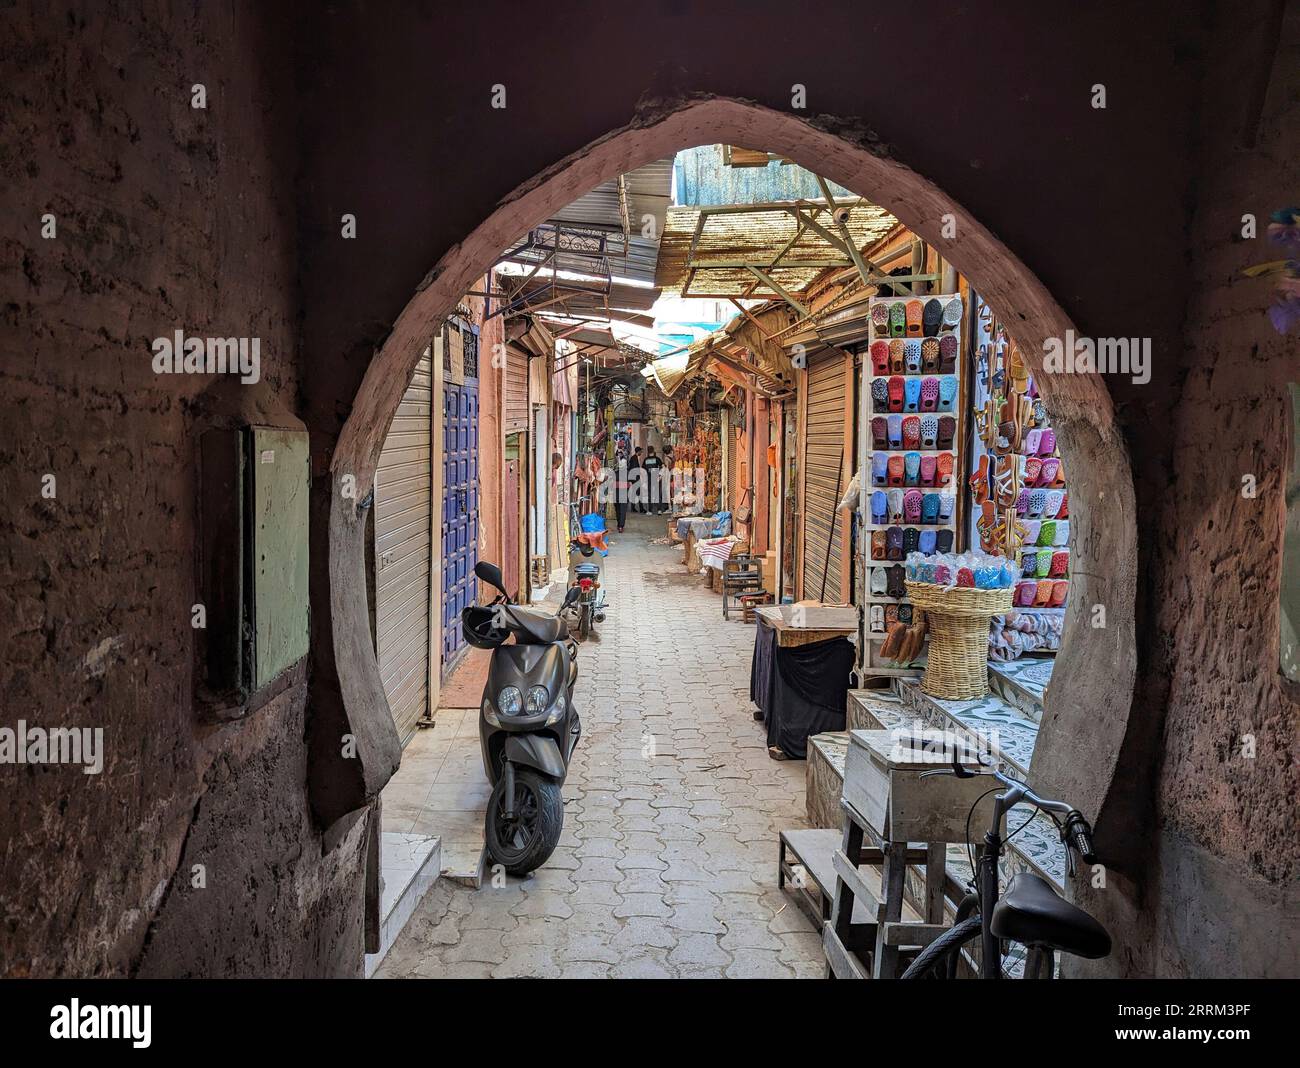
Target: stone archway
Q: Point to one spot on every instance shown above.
(1080, 742)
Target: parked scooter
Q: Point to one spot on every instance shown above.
(589, 607)
(528, 727)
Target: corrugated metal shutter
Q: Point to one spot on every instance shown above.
(515, 402)
(823, 479)
(732, 432)
(403, 528)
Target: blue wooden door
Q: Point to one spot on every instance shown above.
(460, 503)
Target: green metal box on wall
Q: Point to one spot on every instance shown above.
(254, 531)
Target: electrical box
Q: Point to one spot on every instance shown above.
(254, 495)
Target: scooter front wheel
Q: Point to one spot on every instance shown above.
(526, 839)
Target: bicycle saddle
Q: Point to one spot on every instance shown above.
(1032, 913)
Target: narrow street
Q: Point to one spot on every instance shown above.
(667, 865)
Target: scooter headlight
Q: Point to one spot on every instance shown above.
(539, 699)
(510, 701)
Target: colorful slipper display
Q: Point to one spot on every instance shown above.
(914, 366)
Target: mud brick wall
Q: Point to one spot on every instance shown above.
(167, 217)
(1228, 854)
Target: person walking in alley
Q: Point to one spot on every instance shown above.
(637, 478)
(654, 468)
(620, 490)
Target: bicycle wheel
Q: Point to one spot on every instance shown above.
(941, 959)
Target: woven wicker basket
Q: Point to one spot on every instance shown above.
(957, 667)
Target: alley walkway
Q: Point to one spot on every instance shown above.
(667, 866)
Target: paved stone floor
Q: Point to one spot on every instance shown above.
(667, 865)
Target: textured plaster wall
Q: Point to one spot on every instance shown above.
(1229, 850)
(168, 217)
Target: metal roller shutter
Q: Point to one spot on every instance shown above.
(403, 528)
(824, 481)
(732, 432)
(515, 402)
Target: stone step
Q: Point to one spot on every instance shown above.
(1022, 683)
(409, 865)
(1007, 731)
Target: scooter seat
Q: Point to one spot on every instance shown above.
(538, 628)
(586, 570)
(1032, 913)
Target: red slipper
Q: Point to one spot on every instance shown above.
(896, 393)
(1060, 588)
(880, 357)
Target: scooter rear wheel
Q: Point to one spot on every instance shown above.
(525, 842)
(584, 622)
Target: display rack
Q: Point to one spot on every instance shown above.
(1000, 375)
(897, 391)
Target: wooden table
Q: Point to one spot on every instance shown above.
(804, 624)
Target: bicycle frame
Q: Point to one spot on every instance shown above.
(986, 880)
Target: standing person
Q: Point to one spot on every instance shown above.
(620, 490)
(637, 478)
(653, 467)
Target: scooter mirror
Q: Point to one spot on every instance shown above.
(491, 574)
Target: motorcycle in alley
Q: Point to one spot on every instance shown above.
(588, 608)
(528, 726)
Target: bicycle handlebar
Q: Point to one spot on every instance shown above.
(1076, 832)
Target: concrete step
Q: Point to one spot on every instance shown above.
(409, 866)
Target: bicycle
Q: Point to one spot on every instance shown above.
(1030, 913)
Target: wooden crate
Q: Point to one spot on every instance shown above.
(882, 781)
